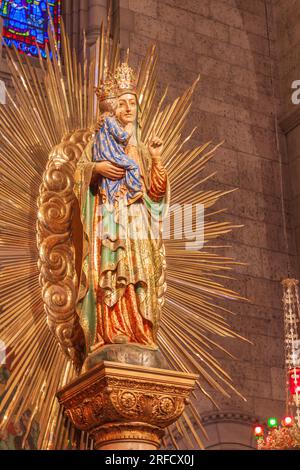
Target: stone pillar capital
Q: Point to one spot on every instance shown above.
(126, 406)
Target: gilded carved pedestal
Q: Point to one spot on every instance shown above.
(126, 406)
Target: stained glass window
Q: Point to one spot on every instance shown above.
(26, 22)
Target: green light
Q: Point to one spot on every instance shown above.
(272, 422)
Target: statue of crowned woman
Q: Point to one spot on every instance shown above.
(122, 187)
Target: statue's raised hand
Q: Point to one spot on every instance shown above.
(109, 170)
(155, 146)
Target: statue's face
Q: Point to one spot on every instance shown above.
(127, 109)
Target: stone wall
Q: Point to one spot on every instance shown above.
(84, 16)
(287, 15)
(232, 43)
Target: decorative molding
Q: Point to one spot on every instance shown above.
(112, 434)
(124, 402)
(228, 416)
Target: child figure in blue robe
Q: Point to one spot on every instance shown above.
(109, 145)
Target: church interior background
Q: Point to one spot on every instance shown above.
(248, 55)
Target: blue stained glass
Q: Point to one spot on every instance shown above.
(26, 24)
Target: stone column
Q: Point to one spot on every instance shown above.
(67, 15)
(126, 24)
(83, 22)
(97, 12)
(75, 26)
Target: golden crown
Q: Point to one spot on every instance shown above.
(125, 78)
(107, 88)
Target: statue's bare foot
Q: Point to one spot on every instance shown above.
(120, 339)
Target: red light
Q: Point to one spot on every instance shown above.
(258, 431)
(294, 380)
(288, 421)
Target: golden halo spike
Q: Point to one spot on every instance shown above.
(85, 79)
(107, 41)
(126, 59)
(101, 56)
